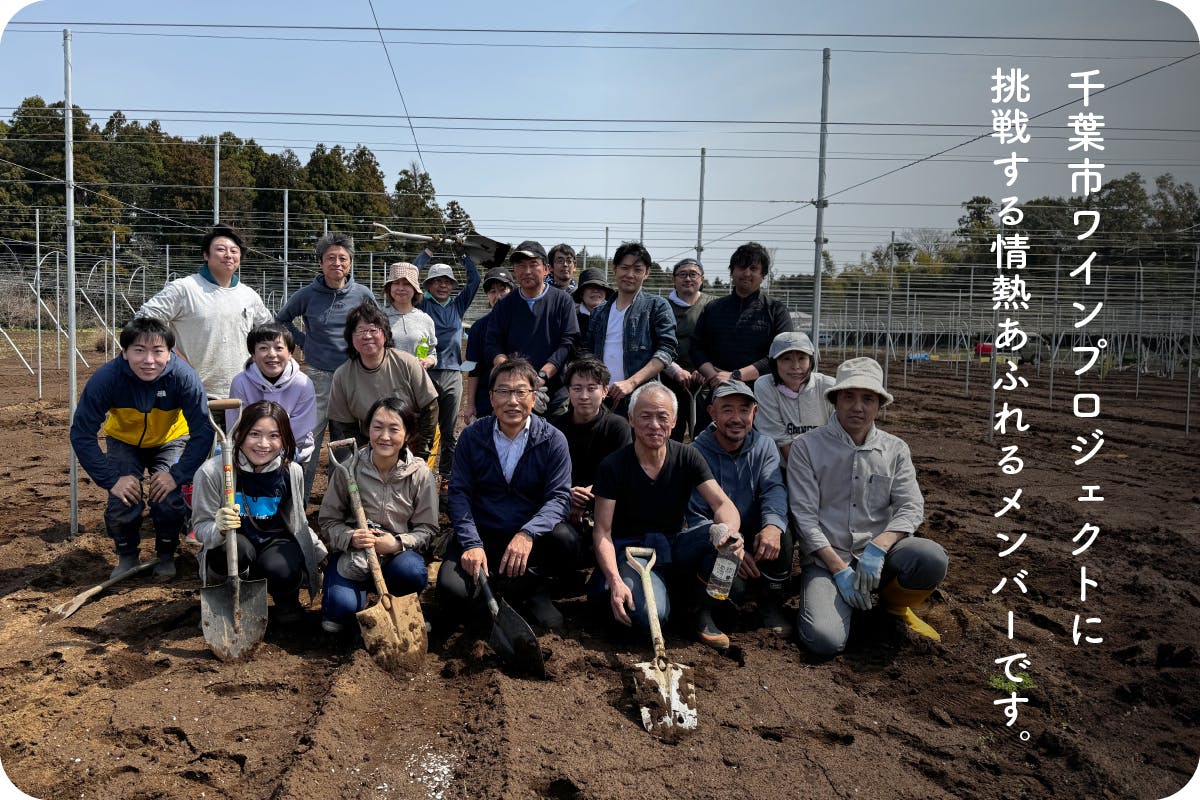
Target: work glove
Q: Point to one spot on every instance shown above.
(229, 518)
(717, 533)
(541, 402)
(845, 581)
(870, 567)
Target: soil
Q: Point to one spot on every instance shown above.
(124, 699)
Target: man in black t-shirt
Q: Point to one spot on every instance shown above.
(593, 433)
(642, 491)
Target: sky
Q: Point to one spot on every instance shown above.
(573, 128)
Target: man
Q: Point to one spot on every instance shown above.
(538, 323)
(593, 433)
(323, 306)
(746, 465)
(447, 313)
(687, 302)
(853, 496)
(155, 417)
(476, 399)
(562, 267)
(734, 332)
(510, 487)
(634, 333)
(210, 313)
(593, 291)
(641, 494)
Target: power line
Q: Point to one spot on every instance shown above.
(399, 91)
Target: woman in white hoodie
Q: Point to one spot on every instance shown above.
(400, 497)
(791, 397)
(274, 540)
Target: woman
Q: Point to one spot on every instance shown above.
(791, 397)
(412, 329)
(399, 496)
(274, 540)
(376, 369)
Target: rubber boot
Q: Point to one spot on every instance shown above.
(899, 601)
(124, 564)
(774, 618)
(164, 570)
(706, 630)
(288, 610)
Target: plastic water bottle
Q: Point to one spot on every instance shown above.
(723, 571)
(423, 347)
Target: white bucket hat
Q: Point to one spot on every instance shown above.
(860, 373)
(440, 271)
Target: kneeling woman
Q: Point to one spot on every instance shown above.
(274, 540)
(400, 497)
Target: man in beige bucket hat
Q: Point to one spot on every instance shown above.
(855, 505)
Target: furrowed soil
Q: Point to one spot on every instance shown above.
(125, 700)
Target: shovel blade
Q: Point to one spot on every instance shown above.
(393, 632)
(485, 252)
(515, 643)
(666, 696)
(230, 642)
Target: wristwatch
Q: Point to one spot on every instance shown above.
(542, 374)
(736, 374)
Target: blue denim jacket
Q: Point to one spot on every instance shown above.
(649, 331)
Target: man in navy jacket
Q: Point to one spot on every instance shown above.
(509, 489)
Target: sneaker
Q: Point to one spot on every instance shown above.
(124, 564)
(544, 612)
(330, 626)
(164, 570)
(708, 633)
(774, 617)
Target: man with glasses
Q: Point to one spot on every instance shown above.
(323, 306)
(687, 301)
(562, 268)
(634, 333)
(509, 489)
(537, 322)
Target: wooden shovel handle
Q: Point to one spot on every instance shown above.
(631, 555)
(360, 516)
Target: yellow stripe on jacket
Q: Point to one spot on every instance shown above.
(145, 430)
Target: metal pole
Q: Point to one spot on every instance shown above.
(642, 227)
(285, 245)
(606, 252)
(699, 214)
(887, 342)
(37, 277)
(1137, 384)
(1187, 414)
(908, 313)
(325, 228)
(57, 310)
(371, 273)
(69, 167)
(167, 274)
(1054, 330)
(217, 180)
(114, 281)
(819, 240)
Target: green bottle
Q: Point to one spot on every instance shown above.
(423, 347)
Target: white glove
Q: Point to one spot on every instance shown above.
(718, 534)
(542, 402)
(229, 518)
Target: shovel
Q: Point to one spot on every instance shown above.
(665, 691)
(233, 615)
(511, 637)
(483, 251)
(393, 630)
(67, 609)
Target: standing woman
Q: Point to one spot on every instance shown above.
(274, 540)
(411, 327)
(400, 500)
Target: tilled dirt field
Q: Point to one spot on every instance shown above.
(125, 700)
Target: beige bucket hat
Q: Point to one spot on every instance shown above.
(860, 373)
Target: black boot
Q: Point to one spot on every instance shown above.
(124, 564)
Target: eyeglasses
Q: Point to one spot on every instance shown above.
(363, 333)
(504, 394)
(688, 274)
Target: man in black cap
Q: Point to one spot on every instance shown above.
(593, 292)
(477, 400)
(537, 322)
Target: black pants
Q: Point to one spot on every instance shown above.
(554, 553)
(280, 561)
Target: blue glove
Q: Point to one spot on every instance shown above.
(870, 567)
(845, 585)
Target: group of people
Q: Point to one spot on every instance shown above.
(576, 399)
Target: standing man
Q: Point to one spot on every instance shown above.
(562, 267)
(447, 313)
(210, 313)
(687, 301)
(323, 306)
(854, 498)
(746, 465)
(634, 333)
(510, 487)
(538, 323)
(734, 332)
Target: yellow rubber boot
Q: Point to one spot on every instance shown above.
(899, 601)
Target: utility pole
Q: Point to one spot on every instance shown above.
(700, 212)
(285, 245)
(69, 176)
(217, 180)
(642, 227)
(819, 241)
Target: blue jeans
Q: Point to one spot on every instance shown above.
(169, 514)
(404, 573)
